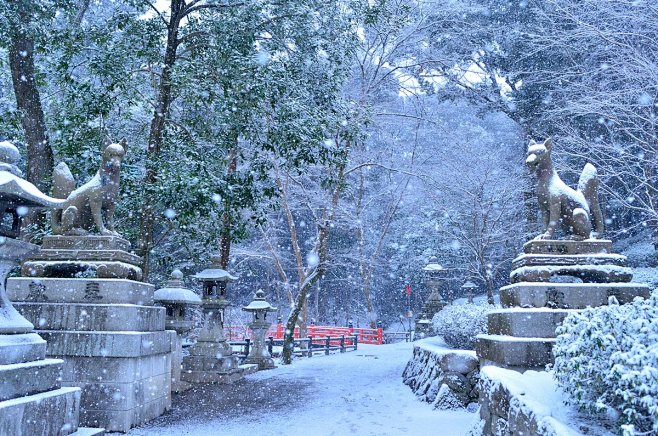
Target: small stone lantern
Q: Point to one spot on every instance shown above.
(259, 325)
(178, 302)
(434, 274)
(210, 359)
(469, 289)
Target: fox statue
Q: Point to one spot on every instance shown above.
(577, 212)
(92, 204)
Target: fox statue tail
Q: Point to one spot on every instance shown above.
(588, 184)
(63, 185)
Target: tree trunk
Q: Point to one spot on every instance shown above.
(156, 135)
(28, 102)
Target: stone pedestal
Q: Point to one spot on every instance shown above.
(258, 354)
(112, 340)
(210, 359)
(32, 399)
(550, 280)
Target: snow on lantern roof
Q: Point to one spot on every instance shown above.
(174, 292)
(433, 265)
(259, 303)
(19, 192)
(215, 272)
(469, 284)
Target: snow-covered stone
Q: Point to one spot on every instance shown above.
(442, 376)
(512, 403)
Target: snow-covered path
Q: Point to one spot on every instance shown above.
(358, 393)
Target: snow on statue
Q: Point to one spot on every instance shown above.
(92, 204)
(577, 211)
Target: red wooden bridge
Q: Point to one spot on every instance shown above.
(364, 336)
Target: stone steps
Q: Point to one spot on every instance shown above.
(106, 344)
(569, 295)
(96, 317)
(515, 353)
(526, 323)
(100, 291)
(568, 260)
(586, 273)
(552, 246)
(29, 378)
(44, 414)
(19, 348)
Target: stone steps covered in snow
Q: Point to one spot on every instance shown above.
(526, 323)
(515, 353)
(24, 347)
(569, 295)
(552, 246)
(587, 273)
(97, 317)
(106, 344)
(58, 290)
(28, 378)
(47, 413)
(569, 260)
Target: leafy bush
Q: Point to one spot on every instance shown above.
(606, 361)
(458, 324)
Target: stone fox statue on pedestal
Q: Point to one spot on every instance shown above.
(577, 211)
(92, 204)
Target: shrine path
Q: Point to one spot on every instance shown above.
(358, 392)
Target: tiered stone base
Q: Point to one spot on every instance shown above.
(32, 399)
(522, 335)
(212, 362)
(119, 355)
(88, 256)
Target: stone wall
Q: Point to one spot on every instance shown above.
(446, 378)
(512, 403)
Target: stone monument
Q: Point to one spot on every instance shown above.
(80, 290)
(211, 359)
(178, 302)
(554, 277)
(32, 399)
(259, 325)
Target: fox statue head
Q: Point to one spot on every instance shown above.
(113, 153)
(538, 153)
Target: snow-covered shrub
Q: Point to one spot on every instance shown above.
(606, 361)
(458, 324)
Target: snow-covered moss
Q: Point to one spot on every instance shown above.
(606, 361)
(459, 324)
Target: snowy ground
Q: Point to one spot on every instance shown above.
(358, 393)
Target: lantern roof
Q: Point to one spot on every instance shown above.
(259, 303)
(16, 191)
(175, 292)
(433, 265)
(215, 272)
(469, 284)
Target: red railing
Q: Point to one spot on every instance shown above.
(364, 336)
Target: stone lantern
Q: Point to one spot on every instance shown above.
(469, 289)
(433, 275)
(259, 325)
(178, 302)
(210, 359)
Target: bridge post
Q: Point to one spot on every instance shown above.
(247, 346)
(342, 343)
(327, 341)
(310, 346)
(356, 341)
(270, 345)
